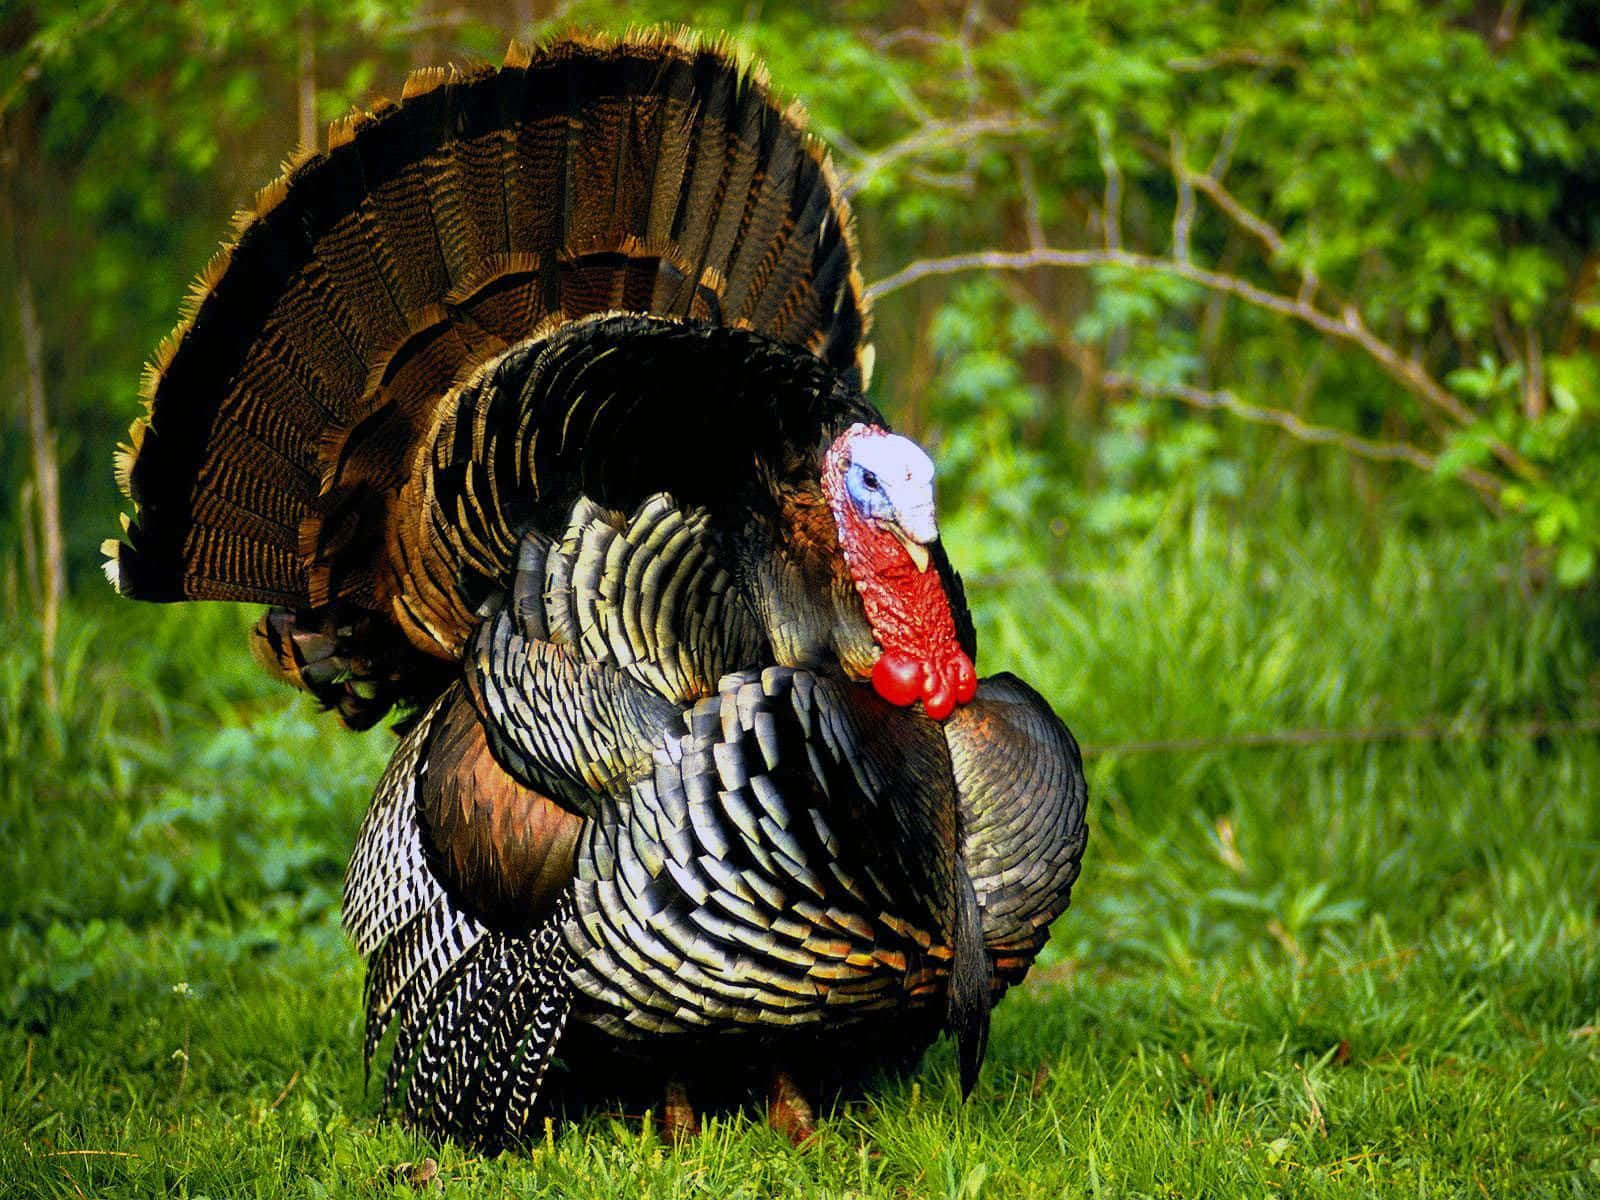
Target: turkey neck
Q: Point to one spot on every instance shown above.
(906, 607)
(789, 568)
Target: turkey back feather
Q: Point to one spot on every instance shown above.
(486, 210)
(615, 408)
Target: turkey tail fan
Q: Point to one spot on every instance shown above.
(299, 393)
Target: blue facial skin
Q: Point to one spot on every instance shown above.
(867, 494)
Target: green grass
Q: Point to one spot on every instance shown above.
(1327, 970)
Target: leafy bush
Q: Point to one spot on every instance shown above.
(1368, 227)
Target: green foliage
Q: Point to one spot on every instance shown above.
(1394, 199)
(1410, 184)
(211, 802)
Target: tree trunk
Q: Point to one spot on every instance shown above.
(307, 83)
(52, 567)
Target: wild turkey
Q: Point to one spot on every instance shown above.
(533, 408)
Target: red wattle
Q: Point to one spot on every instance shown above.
(966, 679)
(897, 678)
(939, 702)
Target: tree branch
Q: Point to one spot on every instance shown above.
(1209, 184)
(931, 138)
(1112, 216)
(1486, 485)
(1211, 187)
(1032, 209)
(1348, 326)
(1183, 211)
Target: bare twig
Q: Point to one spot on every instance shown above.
(1211, 187)
(1111, 218)
(1533, 385)
(914, 36)
(907, 97)
(1505, 31)
(933, 137)
(1346, 326)
(1222, 158)
(984, 260)
(1295, 426)
(1429, 731)
(964, 181)
(1183, 212)
(293, 1079)
(1032, 213)
(1500, 326)
(970, 18)
(1209, 184)
(1308, 284)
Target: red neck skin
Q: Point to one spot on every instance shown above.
(907, 609)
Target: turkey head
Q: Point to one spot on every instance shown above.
(879, 487)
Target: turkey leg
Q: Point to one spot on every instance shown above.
(788, 1111)
(678, 1119)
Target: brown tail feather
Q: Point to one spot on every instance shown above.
(361, 669)
(302, 390)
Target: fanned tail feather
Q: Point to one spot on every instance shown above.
(388, 883)
(404, 974)
(651, 175)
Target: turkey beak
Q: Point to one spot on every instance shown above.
(916, 550)
(916, 529)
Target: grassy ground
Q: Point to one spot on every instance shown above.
(1329, 969)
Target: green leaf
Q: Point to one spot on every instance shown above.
(1575, 564)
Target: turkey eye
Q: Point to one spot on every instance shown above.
(868, 478)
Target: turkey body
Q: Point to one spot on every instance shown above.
(533, 408)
